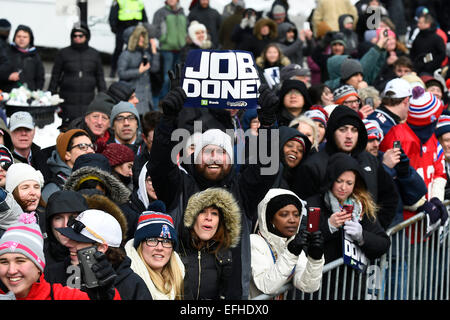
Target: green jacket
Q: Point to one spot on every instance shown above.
(171, 28)
(371, 63)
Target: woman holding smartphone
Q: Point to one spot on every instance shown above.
(278, 248)
(347, 206)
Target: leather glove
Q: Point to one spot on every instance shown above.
(173, 102)
(106, 277)
(268, 102)
(431, 210)
(315, 245)
(354, 230)
(296, 245)
(442, 209)
(402, 168)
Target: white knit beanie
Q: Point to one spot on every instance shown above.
(214, 137)
(193, 28)
(20, 172)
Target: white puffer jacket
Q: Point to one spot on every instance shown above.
(269, 275)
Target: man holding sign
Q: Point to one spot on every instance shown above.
(212, 167)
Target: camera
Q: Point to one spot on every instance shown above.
(87, 260)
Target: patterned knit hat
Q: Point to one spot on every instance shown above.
(155, 223)
(318, 113)
(6, 155)
(25, 239)
(443, 125)
(118, 153)
(343, 93)
(373, 130)
(424, 108)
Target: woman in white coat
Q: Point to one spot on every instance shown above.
(278, 248)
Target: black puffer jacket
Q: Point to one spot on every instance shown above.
(77, 72)
(311, 177)
(28, 62)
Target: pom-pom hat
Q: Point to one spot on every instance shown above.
(424, 108)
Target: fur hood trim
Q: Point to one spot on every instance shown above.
(134, 38)
(223, 200)
(116, 190)
(100, 202)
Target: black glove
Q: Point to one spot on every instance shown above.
(296, 245)
(442, 209)
(431, 210)
(173, 102)
(402, 167)
(268, 102)
(106, 277)
(315, 245)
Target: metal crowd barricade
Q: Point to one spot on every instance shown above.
(414, 268)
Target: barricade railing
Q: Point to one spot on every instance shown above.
(416, 267)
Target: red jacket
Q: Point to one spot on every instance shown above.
(41, 290)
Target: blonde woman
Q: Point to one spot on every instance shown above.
(153, 256)
(309, 128)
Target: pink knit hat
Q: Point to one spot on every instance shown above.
(118, 154)
(424, 108)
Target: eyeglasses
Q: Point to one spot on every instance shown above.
(5, 165)
(294, 92)
(83, 146)
(129, 118)
(153, 242)
(149, 181)
(349, 103)
(78, 35)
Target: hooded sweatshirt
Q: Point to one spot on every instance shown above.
(273, 265)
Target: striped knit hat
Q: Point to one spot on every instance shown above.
(6, 155)
(25, 239)
(424, 108)
(343, 93)
(373, 130)
(443, 125)
(318, 113)
(154, 223)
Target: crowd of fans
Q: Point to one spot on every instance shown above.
(340, 92)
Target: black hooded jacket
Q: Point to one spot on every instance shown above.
(311, 176)
(77, 72)
(427, 41)
(284, 117)
(27, 62)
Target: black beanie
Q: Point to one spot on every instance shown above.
(278, 202)
(120, 91)
(101, 103)
(5, 25)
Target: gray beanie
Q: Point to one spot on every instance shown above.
(123, 106)
(350, 67)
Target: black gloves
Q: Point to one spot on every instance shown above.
(268, 102)
(296, 245)
(106, 276)
(312, 243)
(402, 167)
(173, 102)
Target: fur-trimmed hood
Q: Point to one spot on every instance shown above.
(266, 22)
(134, 38)
(100, 202)
(223, 200)
(116, 190)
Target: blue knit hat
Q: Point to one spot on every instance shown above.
(155, 223)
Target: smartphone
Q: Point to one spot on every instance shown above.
(385, 33)
(397, 144)
(313, 219)
(144, 60)
(369, 101)
(348, 208)
(87, 260)
(428, 58)
(306, 26)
